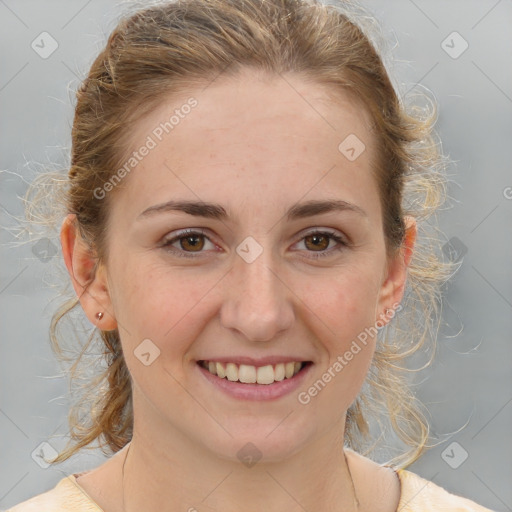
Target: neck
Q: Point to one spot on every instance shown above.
(173, 473)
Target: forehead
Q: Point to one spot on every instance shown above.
(281, 133)
(255, 101)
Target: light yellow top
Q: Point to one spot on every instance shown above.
(417, 495)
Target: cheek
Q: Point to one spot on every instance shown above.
(345, 303)
(166, 308)
(343, 321)
(162, 304)
(341, 324)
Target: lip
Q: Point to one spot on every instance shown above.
(257, 392)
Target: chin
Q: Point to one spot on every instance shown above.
(263, 444)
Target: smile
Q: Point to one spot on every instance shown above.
(248, 374)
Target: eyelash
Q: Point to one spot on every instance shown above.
(315, 255)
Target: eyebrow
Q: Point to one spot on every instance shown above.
(217, 211)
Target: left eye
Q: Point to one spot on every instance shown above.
(321, 240)
(192, 241)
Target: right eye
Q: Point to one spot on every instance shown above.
(190, 240)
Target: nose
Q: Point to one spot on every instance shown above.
(257, 301)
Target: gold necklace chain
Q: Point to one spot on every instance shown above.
(356, 501)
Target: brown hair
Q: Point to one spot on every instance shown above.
(170, 47)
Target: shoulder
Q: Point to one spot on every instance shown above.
(66, 496)
(420, 495)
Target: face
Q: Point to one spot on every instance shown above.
(259, 278)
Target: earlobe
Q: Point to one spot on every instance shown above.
(89, 282)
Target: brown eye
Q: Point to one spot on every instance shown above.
(317, 244)
(186, 243)
(192, 242)
(318, 241)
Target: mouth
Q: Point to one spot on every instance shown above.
(248, 374)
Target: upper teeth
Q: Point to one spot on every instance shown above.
(252, 374)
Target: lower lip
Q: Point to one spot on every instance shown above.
(257, 391)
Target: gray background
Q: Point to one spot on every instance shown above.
(471, 379)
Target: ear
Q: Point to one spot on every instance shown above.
(89, 280)
(393, 286)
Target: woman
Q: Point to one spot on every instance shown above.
(243, 207)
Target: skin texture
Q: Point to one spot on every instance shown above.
(256, 145)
